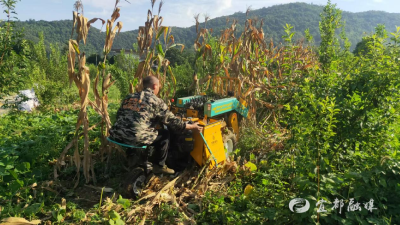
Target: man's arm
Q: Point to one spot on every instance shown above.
(194, 127)
(168, 118)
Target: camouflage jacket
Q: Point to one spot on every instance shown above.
(137, 117)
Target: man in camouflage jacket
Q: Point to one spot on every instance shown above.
(136, 120)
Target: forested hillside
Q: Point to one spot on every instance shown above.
(300, 15)
(58, 32)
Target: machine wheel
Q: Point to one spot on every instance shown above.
(229, 143)
(136, 182)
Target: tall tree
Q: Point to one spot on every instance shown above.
(8, 35)
(12, 71)
(330, 22)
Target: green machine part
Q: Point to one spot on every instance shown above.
(182, 101)
(221, 106)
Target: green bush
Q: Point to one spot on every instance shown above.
(345, 123)
(49, 77)
(28, 141)
(123, 71)
(343, 143)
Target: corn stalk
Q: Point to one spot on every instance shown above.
(154, 40)
(267, 73)
(101, 100)
(204, 52)
(81, 26)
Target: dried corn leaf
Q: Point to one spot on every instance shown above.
(74, 16)
(115, 15)
(94, 20)
(171, 40)
(74, 20)
(131, 88)
(71, 62)
(119, 27)
(196, 17)
(84, 84)
(107, 46)
(18, 221)
(79, 121)
(155, 22)
(106, 81)
(82, 29)
(226, 71)
(63, 203)
(86, 154)
(77, 159)
(96, 93)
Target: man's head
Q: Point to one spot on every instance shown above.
(151, 82)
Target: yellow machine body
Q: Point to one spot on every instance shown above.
(195, 120)
(192, 113)
(233, 122)
(212, 135)
(214, 123)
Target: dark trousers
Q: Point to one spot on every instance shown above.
(161, 145)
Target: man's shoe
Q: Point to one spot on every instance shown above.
(162, 169)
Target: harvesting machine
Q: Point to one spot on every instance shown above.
(219, 113)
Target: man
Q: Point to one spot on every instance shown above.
(136, 120)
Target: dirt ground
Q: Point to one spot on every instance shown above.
(88, 195)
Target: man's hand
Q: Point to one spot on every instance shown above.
(194, 127)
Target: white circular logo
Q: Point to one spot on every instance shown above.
(299, 205)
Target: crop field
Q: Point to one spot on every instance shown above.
(323, 129)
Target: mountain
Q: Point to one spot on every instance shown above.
(299, 15)
(59, 32)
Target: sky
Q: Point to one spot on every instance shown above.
(175, 12)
